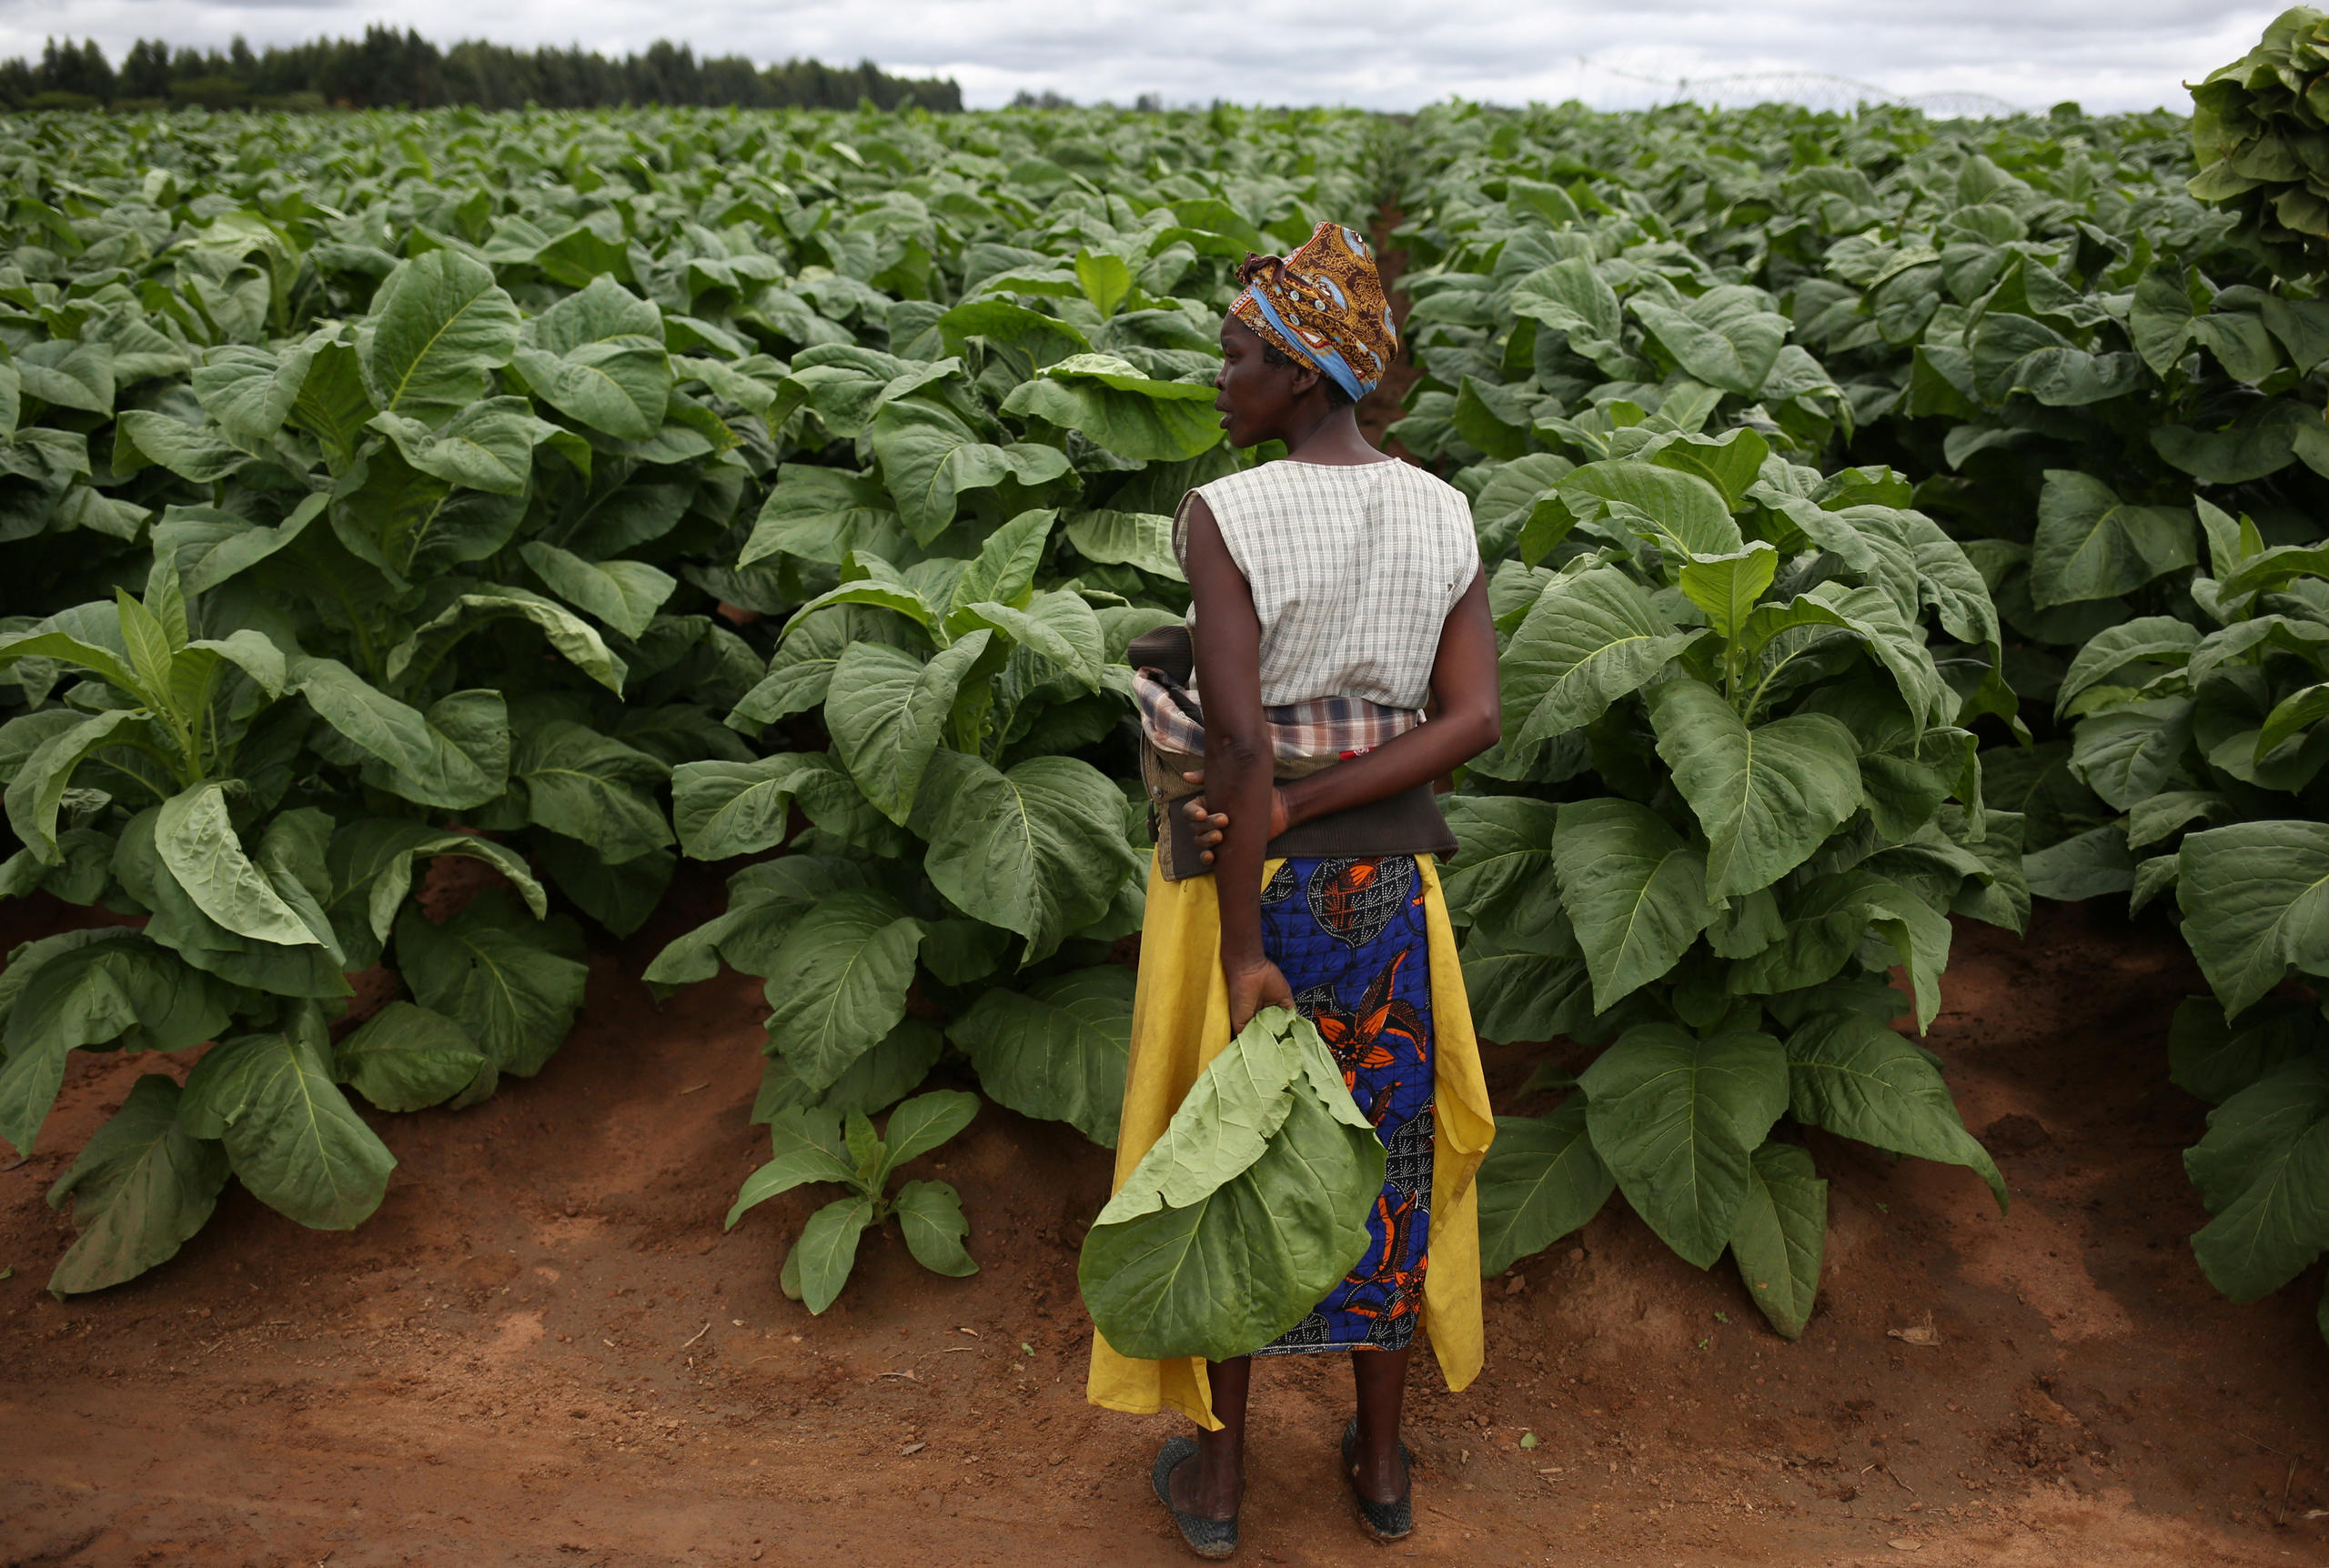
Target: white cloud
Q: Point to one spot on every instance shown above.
(1377, 53)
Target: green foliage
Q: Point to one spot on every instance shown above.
(371, 489)
(572, 496)
(825, 1145)
(2254, 123)
(1249, 1208)
(1744, 669)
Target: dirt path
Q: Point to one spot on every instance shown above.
(544, 1350)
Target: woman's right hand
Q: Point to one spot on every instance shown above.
(1210, 825)
(1253, 984)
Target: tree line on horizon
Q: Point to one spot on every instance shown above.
(388, 69)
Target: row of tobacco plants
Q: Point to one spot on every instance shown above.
(578, 493)
(2080, 356)
(572, 494)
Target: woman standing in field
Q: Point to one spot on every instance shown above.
(1336, 591)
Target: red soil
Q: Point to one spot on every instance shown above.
(544, 1348)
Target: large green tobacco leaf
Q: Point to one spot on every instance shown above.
(406, 1057)
(38, 792)
(1540, 1181)
(1780, 1234)
(2214, 1059)
(1826, 921)
(2159, 638)
(1044, 339)
(2255, 901)
(512, 983)
(823, 515)
(1060, 627)
(250, 391)
(587, 786)
(885, 710)
(598, 355)
(292, 1137)
(624, 594)
(460, 762)
(1636, 893)
(1570, 297)
(874, 1081)
(1680, 512)
(2092, 545)
(568, 633)
(1142, 539)
(2127, 755)
(1676, 1120)
(832, 800)
(487, 447)
(190, 452)
(837, 983)
(141, 1187)
(867, 579)
(1057, 1051)
(1120, 409)
(1039, 850)
(2264, 1168)
(90, 989)
(1768, 797)
(1005, 567)
(393, 515)
(800, 671)
(1525, 995)
(620, 897)
(930, 457)
(1502, 881)
(1245, 1212)
(1723, 337)
(723, 808)
(198, 845)
(1852, 1074)
(1587, 641)
(1241, 1264)
(314, 969)
(1727, 588)
(1224, 1123)
(440, 327)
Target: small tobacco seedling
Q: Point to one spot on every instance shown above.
(812, 1145)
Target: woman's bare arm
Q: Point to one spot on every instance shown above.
(1237, 756)
(1469, 719)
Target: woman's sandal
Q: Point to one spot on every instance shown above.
(1383, 1520)
(1215, 1538)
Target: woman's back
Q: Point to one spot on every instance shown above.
(1352, 569)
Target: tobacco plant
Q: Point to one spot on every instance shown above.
(1734, 793)
(824, 1145)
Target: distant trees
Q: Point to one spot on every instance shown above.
(386, 69)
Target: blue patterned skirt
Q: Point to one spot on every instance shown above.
(1350, 936)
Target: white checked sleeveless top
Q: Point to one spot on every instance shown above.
(1353, 570)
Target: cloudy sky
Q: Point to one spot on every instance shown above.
(1377, 53)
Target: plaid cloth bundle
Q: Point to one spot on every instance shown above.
(1336, 727)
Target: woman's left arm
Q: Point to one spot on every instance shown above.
(1471, 718)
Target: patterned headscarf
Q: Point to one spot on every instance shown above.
(1324, 305)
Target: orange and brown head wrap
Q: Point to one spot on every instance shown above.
(1324, 305)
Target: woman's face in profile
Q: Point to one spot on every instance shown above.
(1255, 397)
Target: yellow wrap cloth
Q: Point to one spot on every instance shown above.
(1180, 1021)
